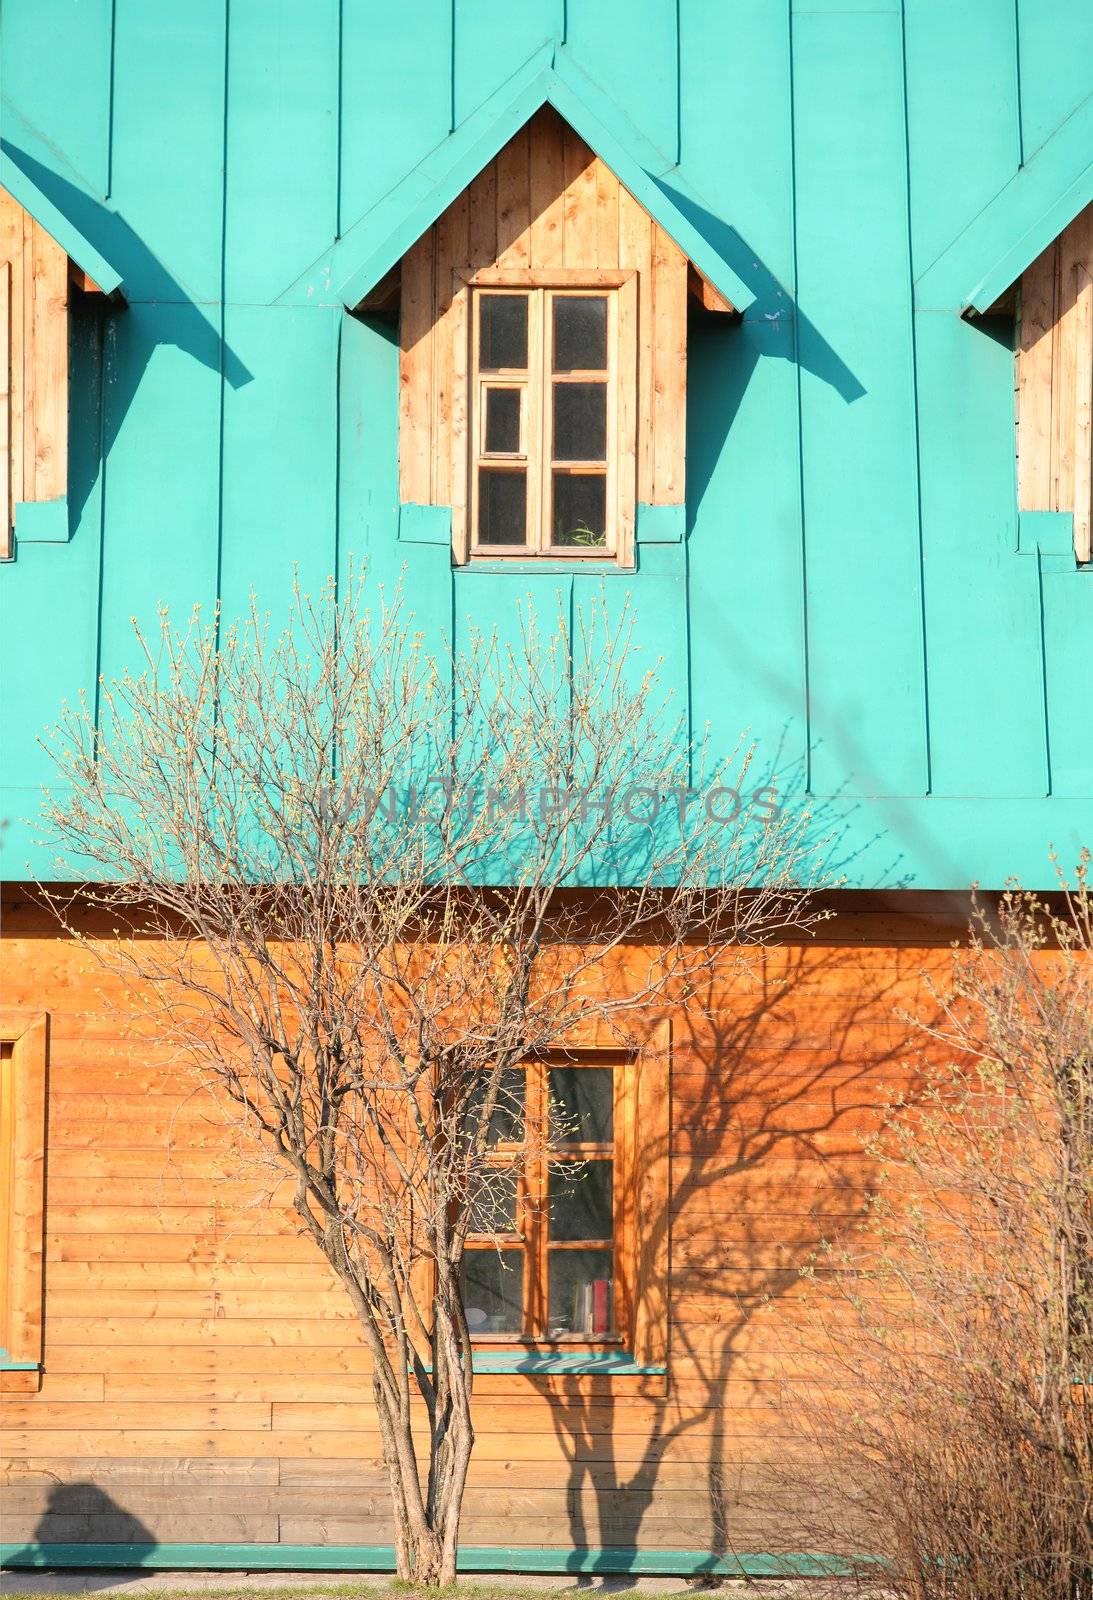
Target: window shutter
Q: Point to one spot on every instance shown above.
(651, 1157)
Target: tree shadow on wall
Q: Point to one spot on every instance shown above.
(773, 1094)
(84, 1514)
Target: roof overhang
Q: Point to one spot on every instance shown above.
(58, 203)
(372, 247)
(1033, 208)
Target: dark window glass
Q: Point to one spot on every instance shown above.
(580, 508)
(507, 1118)
(502, 507)
(502, 421)
(493, 1290)
(492, 1200)
(581, 1105)
(502, 331)
(580, 1292)
(579, 1200)
(580, 421)
(580, 333)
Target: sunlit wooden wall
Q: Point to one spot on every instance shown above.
(204, 1379)
(33, 365)
(1055, 381)
(544, 201)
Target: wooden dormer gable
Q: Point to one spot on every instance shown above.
(547, 220)
(1054, 306)
(35, 277)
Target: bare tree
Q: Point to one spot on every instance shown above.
(359, 878)
(955, 1417)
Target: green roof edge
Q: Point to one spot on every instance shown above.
(383, 235)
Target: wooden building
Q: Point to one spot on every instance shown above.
(716, 306)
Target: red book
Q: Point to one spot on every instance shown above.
(601, 1305)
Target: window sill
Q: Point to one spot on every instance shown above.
(524, 566)
(610, 1362)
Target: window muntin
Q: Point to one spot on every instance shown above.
(544, 1267)
(545, 421)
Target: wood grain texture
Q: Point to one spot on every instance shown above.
(545, 202)
(25, 1034)
(33, 365)
(1055, 381)
(201, 1369)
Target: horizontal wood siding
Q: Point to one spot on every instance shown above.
(1055, 381)
(33, 364)
(545, 201)
(204, 1379)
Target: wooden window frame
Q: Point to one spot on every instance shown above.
(641, 1204)
(469, 384)
(22, 1214)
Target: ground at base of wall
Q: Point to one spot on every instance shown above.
(291, 1586)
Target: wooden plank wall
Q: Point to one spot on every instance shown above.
(1055, 382)
(205, 1382)
(545, 201)
(33, 364)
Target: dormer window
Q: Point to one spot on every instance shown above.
(551, 417)
(543, 356)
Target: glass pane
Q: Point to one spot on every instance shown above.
(502, 331)
(502, 507)
(580, 508)
(581, 1105)
(502, 421)
(580, 333)
(580, 1292)
(493, 1290)
(580, 421)
(492, 1200)
(507, 1118)
(579, 1200)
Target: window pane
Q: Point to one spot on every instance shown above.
(579, 1200)
(502, 421)
(581, 1105)
(492, 1200)
(580, 1292)
(502, 331)
(493, 1290)
(580, 421)
(580, 508)
(502, 507)
(580, 333)
(507, 1119)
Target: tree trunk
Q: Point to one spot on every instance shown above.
(427, 1536)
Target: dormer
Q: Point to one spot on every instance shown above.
(543, 355)
(36, 276)
(1054, 305)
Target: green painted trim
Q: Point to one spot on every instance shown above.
(384, 234)
(19, 137)
(419, 524)
(381, 1558)
(579, 1361)
(1033, 241)
(41, 522)
(539, 565)
(1024, 217)
(661, 524)
(1049, 533)
(8, 1365)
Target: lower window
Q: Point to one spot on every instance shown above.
(541, 1261)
